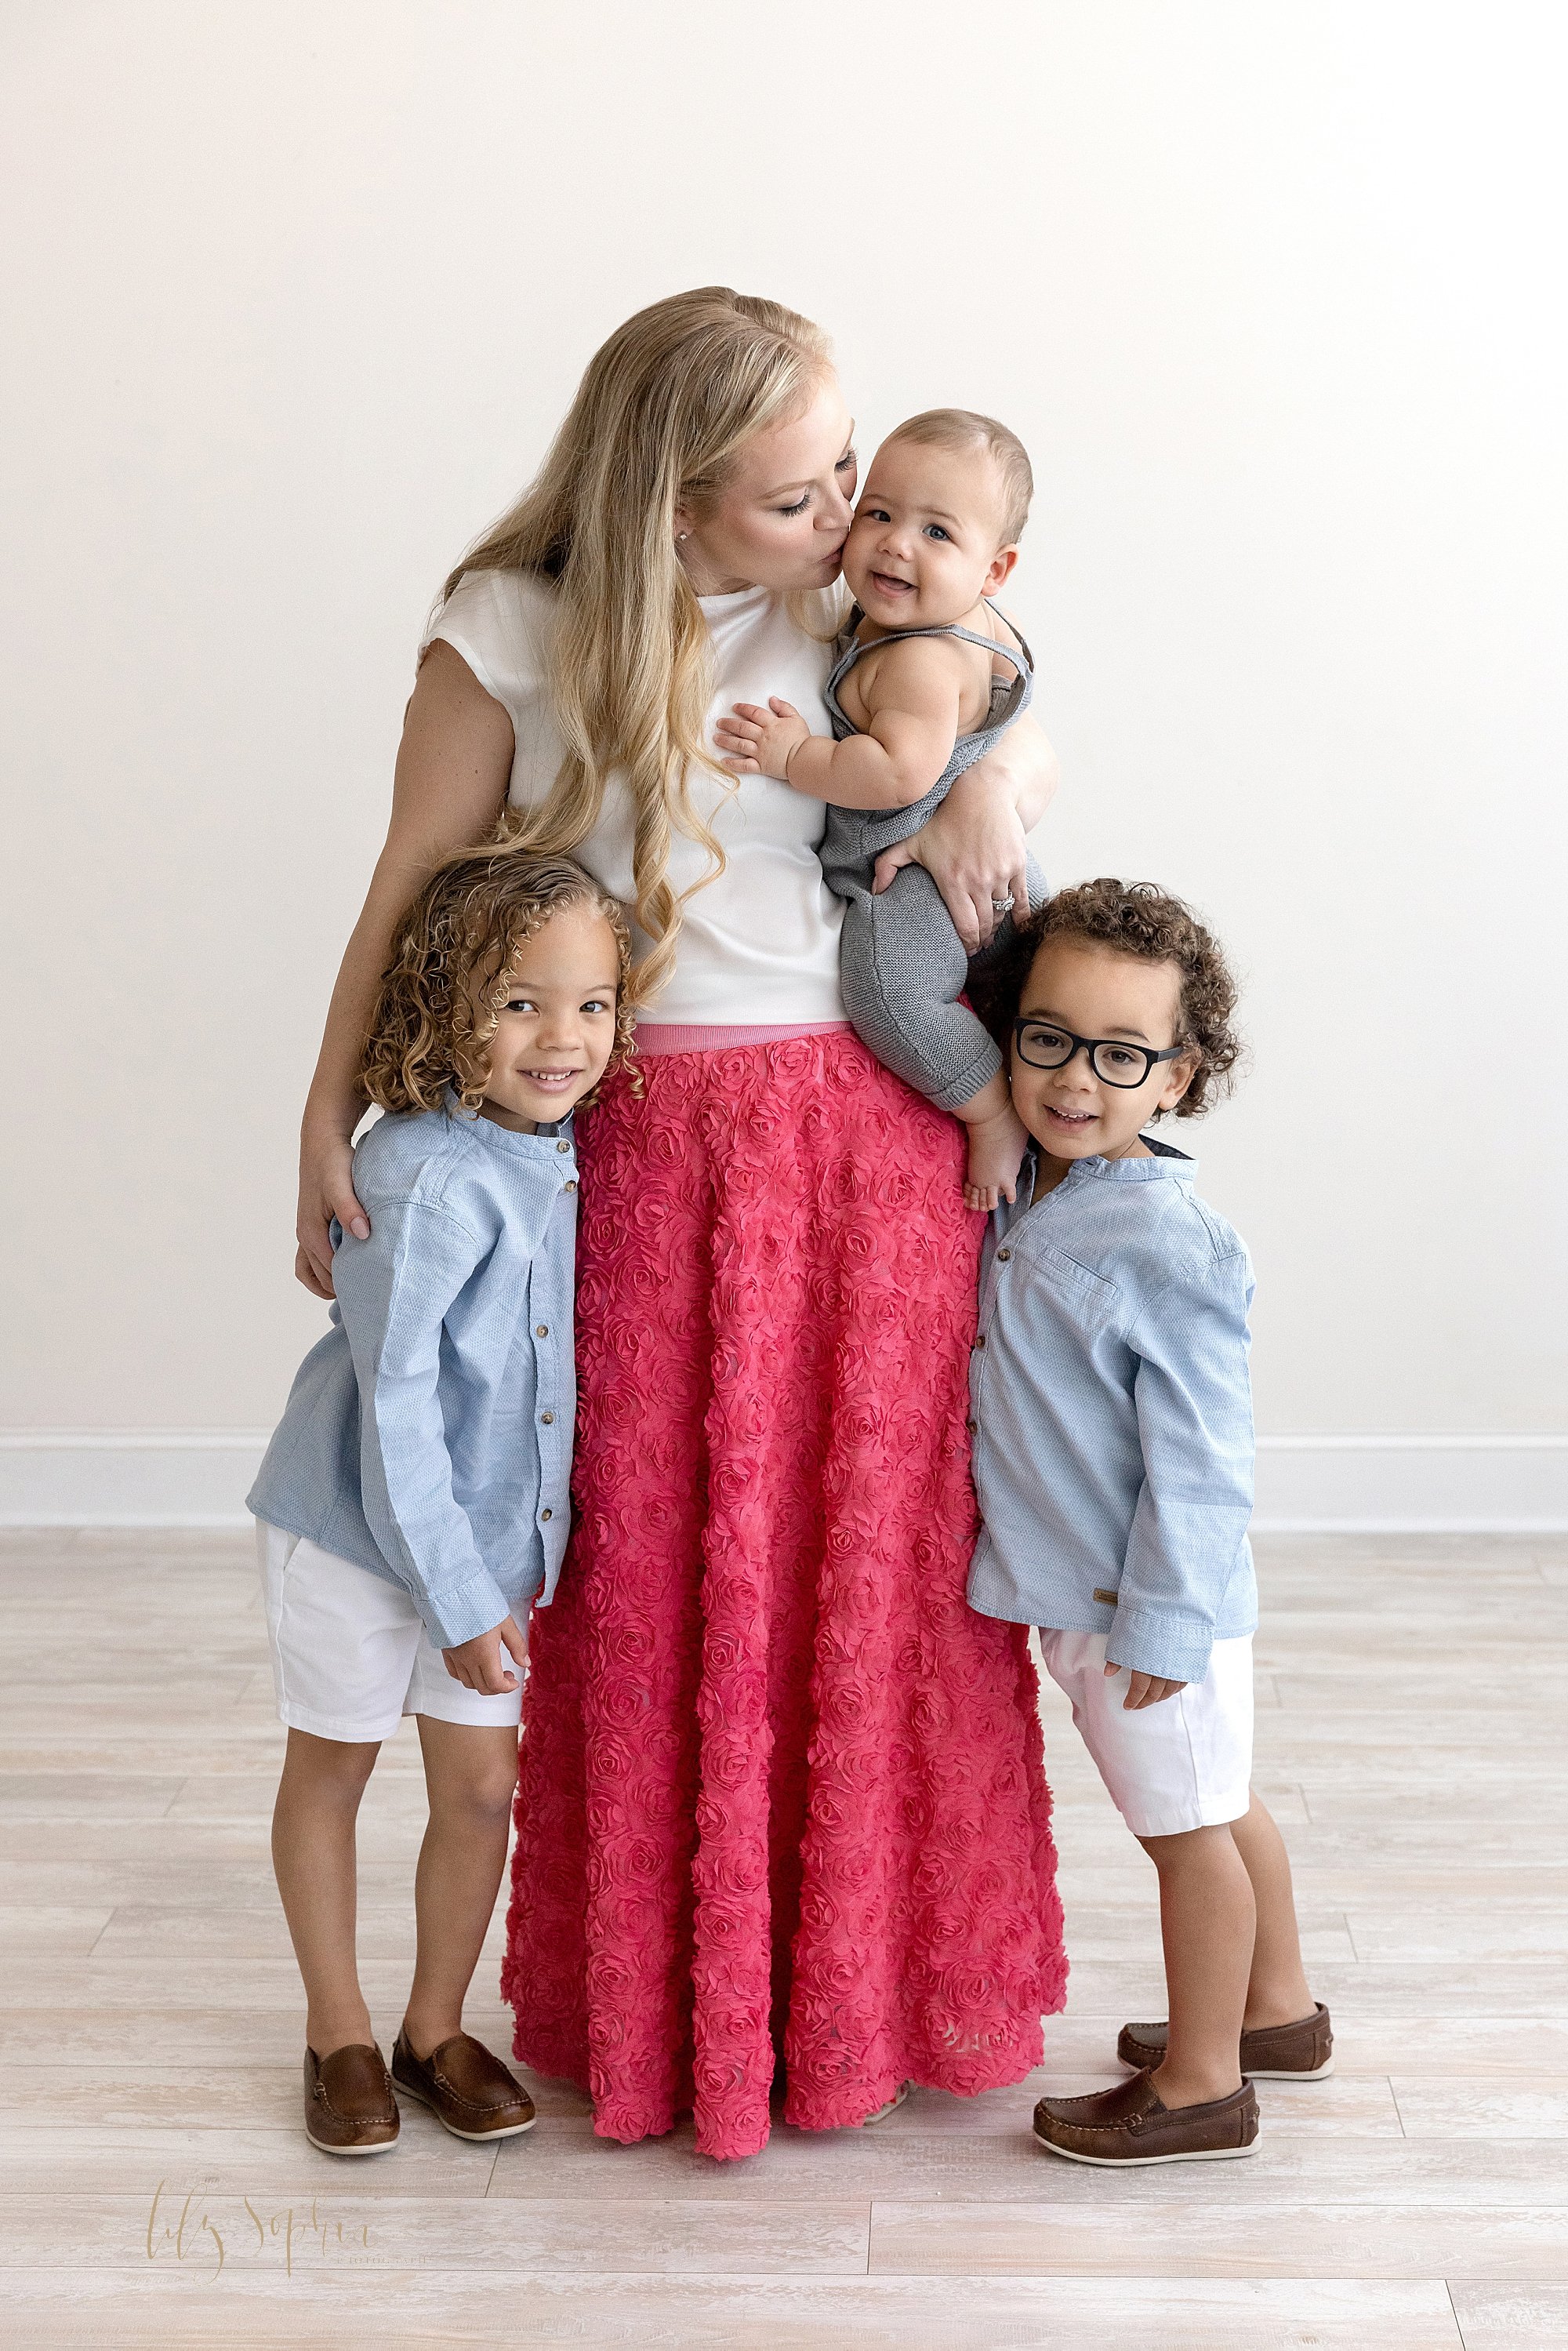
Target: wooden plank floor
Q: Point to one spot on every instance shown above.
(157, 2189)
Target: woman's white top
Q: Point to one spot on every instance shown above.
(759, 944)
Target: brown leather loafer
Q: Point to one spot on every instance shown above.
(1128, 2124)
(468, 2091)
(1302, 2052)
(349, 2109)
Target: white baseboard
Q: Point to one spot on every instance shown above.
(128, 1477)
(1412, 1485)
(200, 1477)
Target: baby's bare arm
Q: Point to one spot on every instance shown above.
(911, 701)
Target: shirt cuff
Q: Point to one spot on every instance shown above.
(464, 1611)
(1147, 1642)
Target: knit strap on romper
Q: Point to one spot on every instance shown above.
(1015, 696)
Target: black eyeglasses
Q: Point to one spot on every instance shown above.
(1113, 1062)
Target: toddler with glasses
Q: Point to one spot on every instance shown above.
(1113, 1457)
(929, 677)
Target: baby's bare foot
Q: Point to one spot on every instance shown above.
(997, 1146)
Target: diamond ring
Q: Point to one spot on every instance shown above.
(1002, 905)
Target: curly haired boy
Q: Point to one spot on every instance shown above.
(1112, 1451)
(414, 1502)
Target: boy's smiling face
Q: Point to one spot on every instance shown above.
(1090, 990)
(556, 1029)
(926, 541)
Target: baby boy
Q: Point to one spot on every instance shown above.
(928, 677)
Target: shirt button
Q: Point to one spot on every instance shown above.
(981, 1340)
(563, 1146)
(570, 1188)
(547, 1514)
(541, 1330)
(547, 1417)
(1003, 1256)
(971, 1425)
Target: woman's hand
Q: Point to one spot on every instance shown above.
(1025, 761)
(973, 849)
(326, 1190)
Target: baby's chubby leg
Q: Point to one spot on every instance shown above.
(997, 1136)
(903, 969)
(998, 1141)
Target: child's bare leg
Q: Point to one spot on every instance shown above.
(470, 1773)
(313, 1860)
(1276, 1991)
(1207, 1920)
(997, 1140)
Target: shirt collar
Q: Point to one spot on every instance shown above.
(503, 1139)
(1164, 1163)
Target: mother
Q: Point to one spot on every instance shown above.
(781, 1792)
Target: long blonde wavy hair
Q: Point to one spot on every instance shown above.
(658, 418)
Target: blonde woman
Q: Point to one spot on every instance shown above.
(782, 1822)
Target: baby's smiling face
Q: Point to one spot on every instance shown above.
(926, 542)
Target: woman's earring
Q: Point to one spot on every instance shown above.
(680, 534)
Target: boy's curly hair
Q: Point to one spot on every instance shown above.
(1136, 919)
(441, 996)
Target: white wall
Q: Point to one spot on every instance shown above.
(1273, 294)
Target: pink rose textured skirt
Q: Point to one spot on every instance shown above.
(782, 1804)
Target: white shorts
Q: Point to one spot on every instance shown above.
(1184, 1764)
(350, 1655)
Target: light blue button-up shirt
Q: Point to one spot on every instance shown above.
(428, 1436)
(1113, 1415)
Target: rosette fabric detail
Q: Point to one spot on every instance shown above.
(782, 1807)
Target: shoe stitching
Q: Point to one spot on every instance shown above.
(353, 2122)
(470, 2105)
(1132, 2123)
(473, 2106)
(1098, 2130)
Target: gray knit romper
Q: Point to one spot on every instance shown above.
(902, 963)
